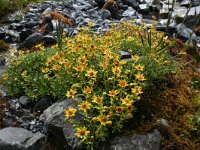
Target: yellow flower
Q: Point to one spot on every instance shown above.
(56, 67)
(122, 83)
(123, 62)
(5, 76)
(113, 93)
(127, 101)
(116, 70)
(104, 120)
(87, 90)
(84, 106)
(80, 68)
(45, 70)
(71, 93)
(118, 109)
(48, 62)
(91, 24)
(139, 67)
(67, 64)
(56, 57)
(182, 53)
(97, 99)
(129, 108)
(104, 64)
(82, 132)
(70, 112)
(24, 73)
(83, 59)
(135, 57)
(140, 77)
(91, 73)
(108, 56)
(137, 90)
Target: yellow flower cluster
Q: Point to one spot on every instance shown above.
(109, 86)
(89, 67)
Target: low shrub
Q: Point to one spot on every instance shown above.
(89, 66)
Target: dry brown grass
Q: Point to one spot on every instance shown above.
(56, 16)
(110, 3)
(171, 100)
(2, 106)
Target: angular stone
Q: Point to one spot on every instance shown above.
(13, 138)
(143, 8)
(105, 14)
(149, 141)
(24, 34)
(42, 104)
(24, 100)
(129, 12)
(185, 33)
(132, 3)
(125, 55)
(49, 39)
(32, 40)
(54, 120)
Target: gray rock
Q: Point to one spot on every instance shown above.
(185, 3)
(24, 100)
(42, 104)
(44, 7)
(190, 19)
(49, 39)
(16, 26)
(24, 34)
(105, 14)
(164, 122)
(149, 141)
(30, 15)
(144, 8)
(21, 139)
(132, 3)
(32, 40)
(54, 120)
(125, 55)
(185, 33)
(30, 24)
(129, 12)
(93, 13)
(2, 34)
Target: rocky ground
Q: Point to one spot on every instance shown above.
(28, 124)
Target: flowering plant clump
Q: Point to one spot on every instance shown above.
(89, 66)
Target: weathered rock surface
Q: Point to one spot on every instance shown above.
(149, 141)
(21, 139)
(32, 40)
(54, 120)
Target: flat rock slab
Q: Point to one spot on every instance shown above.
(13, 138)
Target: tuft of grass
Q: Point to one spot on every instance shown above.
(7, 6)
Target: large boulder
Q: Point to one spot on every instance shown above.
(31, 40)
(13, 138)
(149, 141)
(56, 124)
